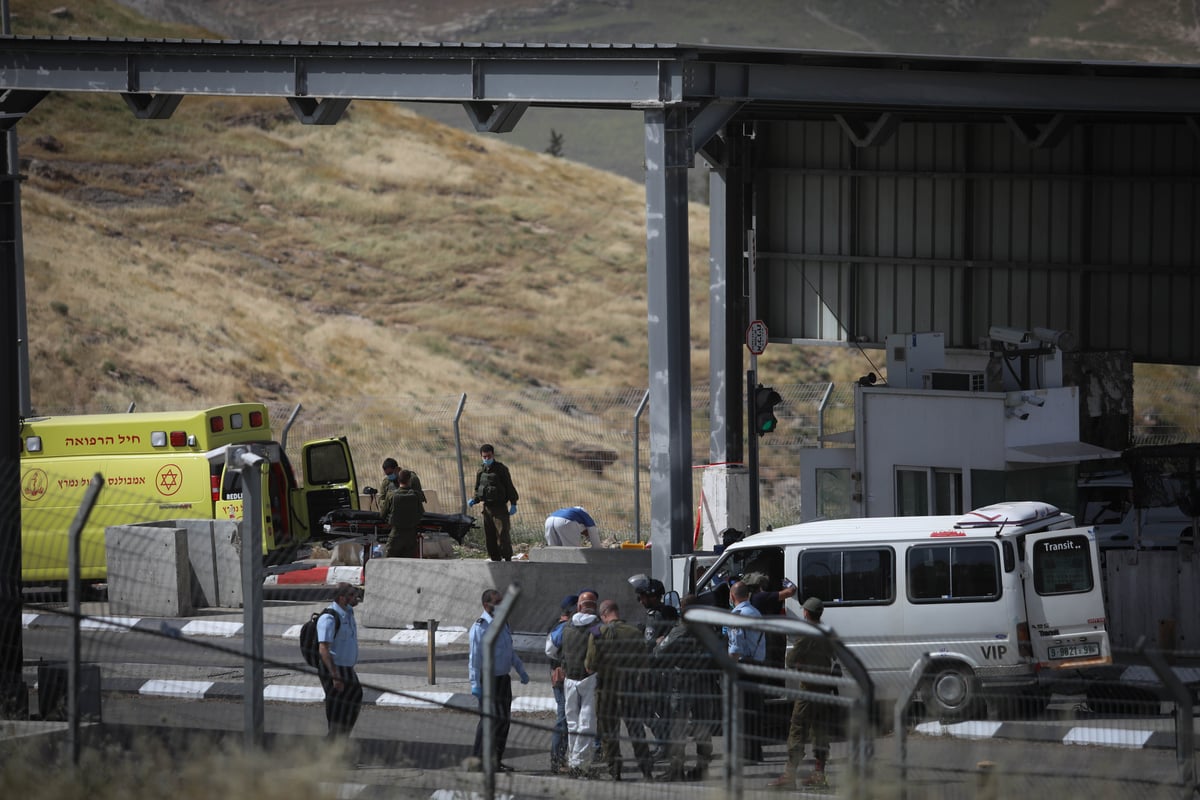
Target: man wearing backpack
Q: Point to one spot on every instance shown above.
(337, 634)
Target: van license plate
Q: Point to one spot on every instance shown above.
(1074, 650)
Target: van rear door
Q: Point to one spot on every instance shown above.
(1061, 576)
(328, 484)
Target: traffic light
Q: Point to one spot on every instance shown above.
(765, 400)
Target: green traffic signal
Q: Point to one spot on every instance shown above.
(765, 400)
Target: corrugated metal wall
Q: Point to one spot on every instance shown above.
(957, 226)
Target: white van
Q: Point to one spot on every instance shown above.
(998, 596)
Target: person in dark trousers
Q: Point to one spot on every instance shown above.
(505, 661)
(403, 509)
(618, 657)
(558, 739)
(811, 655)
(748, 647)
(660, 618)
(494, 488)
(338, 647)
(695, 698)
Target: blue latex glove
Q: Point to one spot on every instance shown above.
(512, 509)
(524, 677)
(477, 691)
(471, 502)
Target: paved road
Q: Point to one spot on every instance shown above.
(165, 663)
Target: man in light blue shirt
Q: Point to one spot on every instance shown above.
(505, 660)
(337, 637)
(744, 645)
(748, 647)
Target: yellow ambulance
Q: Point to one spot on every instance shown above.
(165, 466)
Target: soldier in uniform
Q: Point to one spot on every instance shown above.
(660, 619)
(618, 658)
(494, 488)
(810, 719)
(695, 699)
(403, 509)
(391, 476)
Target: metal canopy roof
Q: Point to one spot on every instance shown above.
(598, 75)
(835, 131)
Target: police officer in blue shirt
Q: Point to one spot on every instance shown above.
(338, 645)
(505, 660)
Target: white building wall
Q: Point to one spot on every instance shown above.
(951, 430)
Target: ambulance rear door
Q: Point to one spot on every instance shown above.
(328, 484)
(1063, 600)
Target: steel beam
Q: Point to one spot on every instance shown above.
(668, 328)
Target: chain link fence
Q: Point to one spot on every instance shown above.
(591, 448)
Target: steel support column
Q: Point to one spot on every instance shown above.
(14, 698)
(668, 328)
(727, 303)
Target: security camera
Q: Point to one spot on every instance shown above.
(1063, 340)
(1008, 335)
(1033, 399)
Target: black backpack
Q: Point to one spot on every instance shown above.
(310, 648)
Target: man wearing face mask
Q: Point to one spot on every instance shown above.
(494, 488)
(391, 475)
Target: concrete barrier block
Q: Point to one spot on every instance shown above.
(632, 559)
(212, 554)
(400, 591)
(148, 571)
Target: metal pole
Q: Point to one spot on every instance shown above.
(487, 698)
(637, 468)
(431, 658)
(251, 461)
(821, 414)
(288, 426)
(898, 713)
(1185, 734)
(752, 446)
(462, 478)
(81, 518)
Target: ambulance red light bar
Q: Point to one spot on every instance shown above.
(256, 419)
(179, 438)
(944, 534)
(216, 424)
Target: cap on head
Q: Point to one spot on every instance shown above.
(568, 601)
(814, 606)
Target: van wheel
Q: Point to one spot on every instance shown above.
(951, 692)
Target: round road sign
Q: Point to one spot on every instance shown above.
(756, 337)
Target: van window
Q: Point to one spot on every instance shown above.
(1062, 565)
(849, 577)
(953, 573)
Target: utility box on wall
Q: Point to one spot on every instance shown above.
(911, 355)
